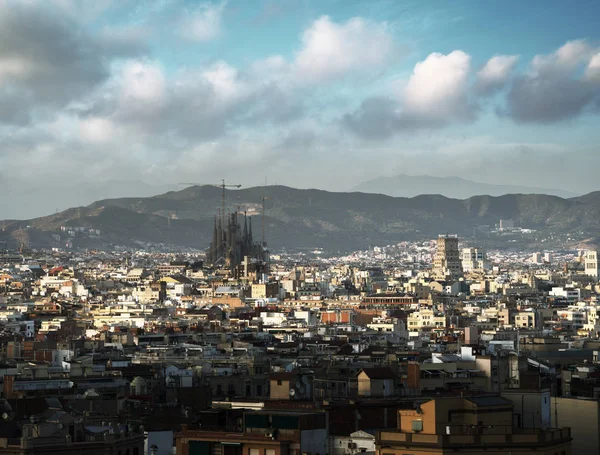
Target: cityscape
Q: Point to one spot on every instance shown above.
(262, 227)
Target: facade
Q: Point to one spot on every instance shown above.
(483, 424)
(527, 319)
(506, 224)
(583, 416)
(69, 437)
(263, 433)
(376, 382)
(447, 262)
(426, 319)
(474, 259)
(592, 265)
(357, 442)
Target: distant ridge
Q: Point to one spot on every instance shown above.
(453, 187)
(302, 219)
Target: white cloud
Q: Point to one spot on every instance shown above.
(438, 87)
(204, 23)
(225, 81)
(97, 130)
(495, 73)
(572, 53)
(437, 93)
(143, 82)
(592, 72)
(564, 59)
(332, 50)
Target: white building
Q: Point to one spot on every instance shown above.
(474, 259)
(309, 316)
(358, 442)
(389, 325)
(272, 319)
(572, 294)
(536, 258)
(592, 268)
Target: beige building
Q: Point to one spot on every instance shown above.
(526, 319)
(265, 290)
(425, 319)
(447, 263)
(376, 382)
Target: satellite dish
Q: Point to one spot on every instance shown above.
(292, 392)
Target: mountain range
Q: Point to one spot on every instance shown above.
(452, 187)
(305, 219)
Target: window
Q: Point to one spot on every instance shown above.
(279, 382)
(417, 425)
(254, 452)
(269, 451)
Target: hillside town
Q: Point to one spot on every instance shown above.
(156, 353)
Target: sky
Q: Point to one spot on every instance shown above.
(306, 93)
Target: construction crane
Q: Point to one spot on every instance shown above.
(221, 185)
(263, 199)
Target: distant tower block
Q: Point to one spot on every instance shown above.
(506, 225)
(474, 259)
(447, 263)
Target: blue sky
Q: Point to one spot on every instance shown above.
(306, 93)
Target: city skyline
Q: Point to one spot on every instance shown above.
(307, 94)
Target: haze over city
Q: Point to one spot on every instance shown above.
(323, 94)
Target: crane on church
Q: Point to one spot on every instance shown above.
(223, 187)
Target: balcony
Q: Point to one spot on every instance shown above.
(517, 437)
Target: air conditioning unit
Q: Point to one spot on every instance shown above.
(271, 433)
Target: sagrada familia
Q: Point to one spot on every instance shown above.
(231, 243)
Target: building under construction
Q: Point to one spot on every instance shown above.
(233, 246)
